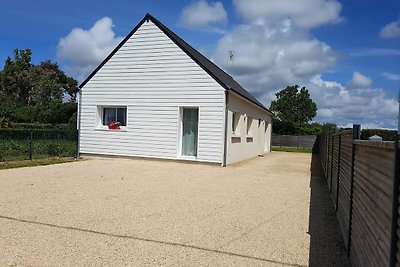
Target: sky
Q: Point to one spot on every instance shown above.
(346, 53)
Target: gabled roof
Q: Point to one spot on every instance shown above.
(224, 79)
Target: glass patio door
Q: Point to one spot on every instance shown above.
(190, 124)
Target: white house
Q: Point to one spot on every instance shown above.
(171, 102)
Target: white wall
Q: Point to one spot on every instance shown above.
(239, 147)
(153, 77)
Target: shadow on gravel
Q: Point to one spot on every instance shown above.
(326, 244)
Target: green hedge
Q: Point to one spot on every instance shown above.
(290, 128)
(27, 125)
(11, 150)
(53, 112)
(387, 135)
(37, 134)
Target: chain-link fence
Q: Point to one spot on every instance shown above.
(25, 144)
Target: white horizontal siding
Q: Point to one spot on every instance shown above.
(153, 77)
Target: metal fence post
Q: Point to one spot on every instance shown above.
(356, 136)
(327, 156)
(326, 151)
(77, 145)
(30, 145)
(395, 203)
(338, 173)
(332, 149)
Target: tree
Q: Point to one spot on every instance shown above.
(294, 106)
(35, 93)
(16, 79)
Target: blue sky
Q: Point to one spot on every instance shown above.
(346, 52)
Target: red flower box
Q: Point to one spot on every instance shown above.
(114, 125)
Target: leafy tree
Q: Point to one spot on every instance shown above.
(387, 135)
(314, 128)
(16, 79)
(34, 93)
(51, 83)
(283, 127)
(70, 86)
(294, 105)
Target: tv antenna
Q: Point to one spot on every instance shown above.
(231, 54)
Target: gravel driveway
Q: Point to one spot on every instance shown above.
(113, 212)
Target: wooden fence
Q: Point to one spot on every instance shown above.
(363, 180)
(304, 141)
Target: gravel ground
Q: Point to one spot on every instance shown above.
(124, 212)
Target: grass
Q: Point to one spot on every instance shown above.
(11, 150)
(32, 163)
(292, 149)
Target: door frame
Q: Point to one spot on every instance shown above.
(180, 132)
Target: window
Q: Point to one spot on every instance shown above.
(114, 114)
(235, 122)
(249, 123)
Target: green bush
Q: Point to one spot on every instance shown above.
(35, 125)
(4, 122)
(19, 149)
(73, 121)
(54, 112)
(57, 112)
(1, 155)
(387, 135)
(286, 127)
(283, 127)
(24, 134)
(53, 149)
(15, 146)
(19, 114)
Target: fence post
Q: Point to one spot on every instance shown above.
(30, 145)
(298, 137)
(395, 203)
(325, 151)
(338, 173)
(77, 145)
(327, 156)
(356, 136)
(332, 149)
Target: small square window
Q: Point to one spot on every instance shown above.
(114, 114)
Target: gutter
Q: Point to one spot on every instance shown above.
(79, 123)
(226, 129)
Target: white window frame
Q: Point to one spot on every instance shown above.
(180, 132)
(100, 117)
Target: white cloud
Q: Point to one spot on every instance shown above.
(304, 13)
(371, 107)
(83, 50)
(267, 57)
(275, 48)
(360, 81)
(391, 76)
(201, 14)
(391, 30)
